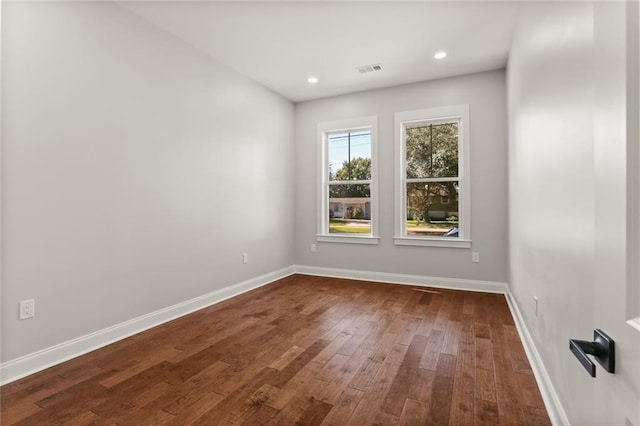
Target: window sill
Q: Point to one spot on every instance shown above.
(349, 239)
(432, 242)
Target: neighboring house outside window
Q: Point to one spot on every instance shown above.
(432, 177)
(348, 181)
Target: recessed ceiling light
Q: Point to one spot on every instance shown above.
(312, 80)
(440, 55)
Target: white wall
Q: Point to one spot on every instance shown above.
(135, 171)
(485, 93)
(567, 200)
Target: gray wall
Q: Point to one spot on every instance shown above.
(567, 199)
(551, 160)
(485, 93)
(135, 171)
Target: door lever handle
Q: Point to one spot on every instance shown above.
(602, 348)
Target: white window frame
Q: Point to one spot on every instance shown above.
(459, 113)
(324, 129)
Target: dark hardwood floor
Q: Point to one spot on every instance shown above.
(304, 350)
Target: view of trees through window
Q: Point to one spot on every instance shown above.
(350, 182)
(432, 178)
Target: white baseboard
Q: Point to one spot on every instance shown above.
(556, 412)
(45, 358)
(416, 280)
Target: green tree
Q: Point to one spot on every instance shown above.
(356, 169)
(421, 197)
(431, 152)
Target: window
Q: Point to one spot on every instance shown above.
(432, 187)
(348, 193)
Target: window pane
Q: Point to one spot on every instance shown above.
(418, 145)
(350, 209)
(432, 209)
(350, 156)
(445, 150)
(432, 150)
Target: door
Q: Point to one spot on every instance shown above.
(616, 397)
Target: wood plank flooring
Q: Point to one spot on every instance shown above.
(304, 350)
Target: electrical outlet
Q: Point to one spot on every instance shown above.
(245, 257)
(27, 309)
(313, 248)
(535, 305)
(475, 257)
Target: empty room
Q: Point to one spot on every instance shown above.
(317, 212)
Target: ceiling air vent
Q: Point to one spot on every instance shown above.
(369, 68)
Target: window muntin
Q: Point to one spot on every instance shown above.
(432, 199)
(348, 203)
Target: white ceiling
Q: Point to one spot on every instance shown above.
(281, 44)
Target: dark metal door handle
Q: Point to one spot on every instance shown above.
(602, 348)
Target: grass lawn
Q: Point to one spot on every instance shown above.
(337, 226)
(434, 224)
